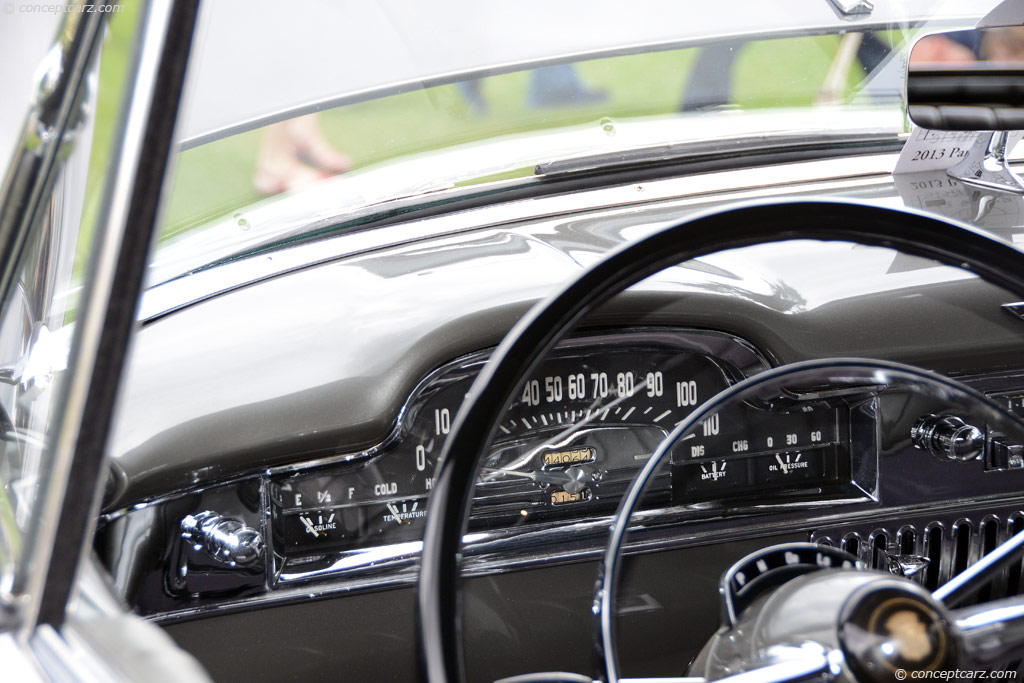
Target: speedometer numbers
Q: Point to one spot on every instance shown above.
(657, 388)
(583, 425)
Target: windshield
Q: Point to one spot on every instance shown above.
(320, 150)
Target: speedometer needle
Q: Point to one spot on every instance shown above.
(562, 437)
(559, 478)
(573, 480)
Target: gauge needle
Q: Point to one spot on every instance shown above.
(559, 478)
(784, 466)
(563, 437)
(309, 527)
(394, 511)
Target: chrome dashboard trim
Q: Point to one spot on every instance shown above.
(403, 570)
(488, 550)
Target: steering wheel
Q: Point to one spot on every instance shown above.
(439, 598)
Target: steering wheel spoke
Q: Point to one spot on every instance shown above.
(972, 579)
(789, 664)
(991, 633)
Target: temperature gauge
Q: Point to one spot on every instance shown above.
(395, 521)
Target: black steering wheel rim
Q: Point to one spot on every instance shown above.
(910, 231)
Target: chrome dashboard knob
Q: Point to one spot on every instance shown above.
(948, 437)
(905, 564)
(225, 539)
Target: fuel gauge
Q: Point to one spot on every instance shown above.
(318, 531)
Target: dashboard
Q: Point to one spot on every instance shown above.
(295, 500)
(581, 428)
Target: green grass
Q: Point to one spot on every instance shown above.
(217, 178)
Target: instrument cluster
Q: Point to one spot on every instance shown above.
(577, 431)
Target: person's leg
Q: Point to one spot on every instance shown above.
(710, 84)
(872, 51)
(278, 168)
(471, 91)
(559, 85)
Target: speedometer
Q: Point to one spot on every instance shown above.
(583, 424)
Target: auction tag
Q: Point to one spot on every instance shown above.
(937, 150)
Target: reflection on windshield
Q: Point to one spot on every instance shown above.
(294, 153)
(1001, 45)
(527, 117)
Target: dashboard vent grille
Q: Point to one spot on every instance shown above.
(951, 544)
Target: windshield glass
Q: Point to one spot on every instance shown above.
(318, 164)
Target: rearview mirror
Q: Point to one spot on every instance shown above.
(968, 80)
(972, 81)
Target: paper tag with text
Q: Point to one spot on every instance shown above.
(937, 150)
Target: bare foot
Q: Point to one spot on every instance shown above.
(310, 142)
(285, 177)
